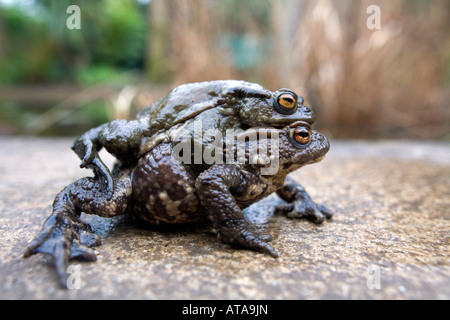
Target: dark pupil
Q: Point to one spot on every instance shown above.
(289, 100)
(303, 134)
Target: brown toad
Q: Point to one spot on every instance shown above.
(160, 178)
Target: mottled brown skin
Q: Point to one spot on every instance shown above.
(149, 182)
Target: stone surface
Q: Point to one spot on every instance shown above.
(389, 238)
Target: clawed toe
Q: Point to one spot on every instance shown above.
(250, 240)
(90, 239)
(81, 252)
(327, 212)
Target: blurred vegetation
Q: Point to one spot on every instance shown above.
(41, 49)
(387, 83)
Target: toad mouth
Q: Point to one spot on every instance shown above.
(297, 124)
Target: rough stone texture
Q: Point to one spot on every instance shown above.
(392, 210)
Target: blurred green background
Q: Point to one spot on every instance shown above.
(387, 83)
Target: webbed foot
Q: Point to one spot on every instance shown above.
(314, 212)
(64, 238)
(300, 204)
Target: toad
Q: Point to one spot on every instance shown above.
(154, 183)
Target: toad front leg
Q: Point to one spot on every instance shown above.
(300, 204)
(217, 189)
(64, 236)
(120, 138)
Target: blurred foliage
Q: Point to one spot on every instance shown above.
(42, 50)
(388, 83)
(92, 74)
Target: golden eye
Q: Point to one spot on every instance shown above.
(287, 101)
(302, 135)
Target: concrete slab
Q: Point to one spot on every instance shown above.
(389, 238)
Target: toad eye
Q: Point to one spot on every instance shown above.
(286, 103)
(301, 136)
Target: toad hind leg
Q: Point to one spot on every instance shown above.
(64, 236)
(217, 188)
